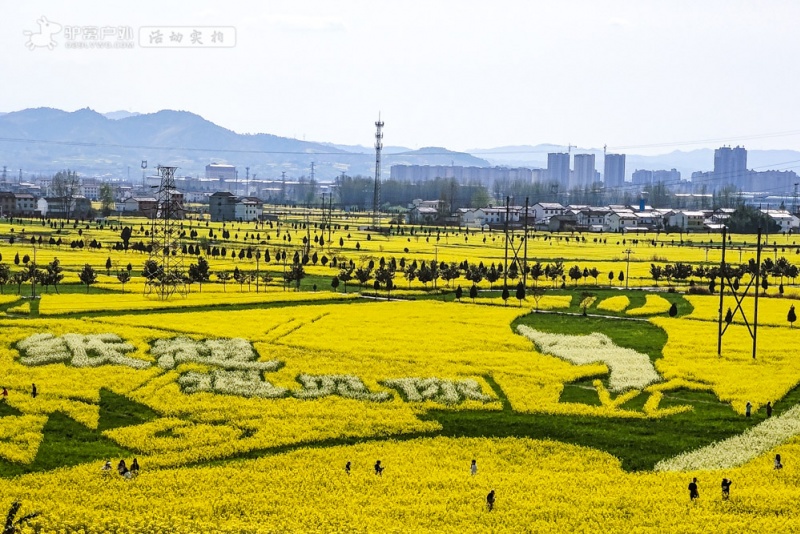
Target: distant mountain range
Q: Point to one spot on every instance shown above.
(45, 140)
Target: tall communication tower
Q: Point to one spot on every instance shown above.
(376, 196)
(164, 269)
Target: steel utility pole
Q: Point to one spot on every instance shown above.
(721, 291)
(525, 253)
(627, 266)
(505, 231)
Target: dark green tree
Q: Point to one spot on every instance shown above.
(199, 272)
(124, 277)
(520, 293)
(5, 276)
(345, 275)
(88, 276)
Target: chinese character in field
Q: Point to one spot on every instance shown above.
(196, 37)
(78, 350)
(240, 383)
(351, 387)
(156, 37)
(230, 354)
(438, 390)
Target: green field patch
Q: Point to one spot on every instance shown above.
(66, 443)
(118, 410)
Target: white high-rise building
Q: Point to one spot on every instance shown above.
(584, 174)
(614, 170)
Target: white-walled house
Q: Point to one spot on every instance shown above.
(620, 221)
(688, 221)
(545, 210)
(786, 221)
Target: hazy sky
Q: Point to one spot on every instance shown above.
(460, 74)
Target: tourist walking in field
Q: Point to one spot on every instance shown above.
(778, 464)
(347, 468)
(5, 394)
(121, 467)
(693, 493)
(747, 408)
(473, 468)
(34, 392)
(135, 467)
(769, 409)
(106, 467)
(490, 500)
(378, 468)
(726, 489)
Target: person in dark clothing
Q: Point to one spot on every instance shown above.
(135, 467)
(726, 489)
(33, 391)
(693, 493)
(747, 409)
(778, 464)
(347, 468)
(121, 467)
(769, 409)
(378, 468)
(490, 500)
(5, 394)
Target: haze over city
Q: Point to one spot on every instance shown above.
(638, 77)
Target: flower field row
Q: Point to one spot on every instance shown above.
(77, 303)
(614, 304)
(653, 305)
(426, 486)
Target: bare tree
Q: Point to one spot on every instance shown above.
(65, 186)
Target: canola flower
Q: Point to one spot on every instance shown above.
(77, 303)
(614, 304)
(426, 486)
(653, 305)
(22, 309)
(690, 354)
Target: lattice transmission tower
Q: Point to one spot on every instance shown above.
(164, 268)
(376, 196)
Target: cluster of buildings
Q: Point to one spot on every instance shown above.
(28, 205)
(730, 169)
(224, 207)
(555, 217)
(566, 171)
